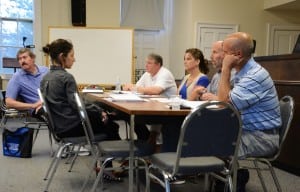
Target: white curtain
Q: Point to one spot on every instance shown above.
(142, 14)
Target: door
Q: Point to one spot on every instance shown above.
(282, 39)
(209, 33)
(145, 42)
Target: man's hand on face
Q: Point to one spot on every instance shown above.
(230, 61)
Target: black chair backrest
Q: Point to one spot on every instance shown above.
(2, 101)
(85, 121)
(213, 129)
(287, 112)
(48, 116)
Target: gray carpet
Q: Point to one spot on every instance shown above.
(17, 175)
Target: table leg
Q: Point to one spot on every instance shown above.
(131, 154)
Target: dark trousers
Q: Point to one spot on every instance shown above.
(171, 126)
(170, 133)
(110, 128)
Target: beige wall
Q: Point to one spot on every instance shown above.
(54, 13)
(103, 13)
(249, 15)
(181, 36)
(274, 3)
(99, 13)
(57, 13)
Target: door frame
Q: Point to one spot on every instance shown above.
(271, 29)
(200, 25)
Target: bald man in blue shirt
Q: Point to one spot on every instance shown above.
(254, 96)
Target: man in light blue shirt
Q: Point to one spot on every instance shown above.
(254, 96)
(21, 92)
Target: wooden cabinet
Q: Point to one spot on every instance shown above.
(285, 71)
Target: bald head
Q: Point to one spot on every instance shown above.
(240, 41)
(217, 45)
(217, 54)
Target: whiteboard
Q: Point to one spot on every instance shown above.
(102, 55)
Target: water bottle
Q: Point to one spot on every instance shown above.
(118, 85)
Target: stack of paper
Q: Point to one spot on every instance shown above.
(92, 90)
(125, 97)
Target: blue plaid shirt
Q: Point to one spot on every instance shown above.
(255, 96)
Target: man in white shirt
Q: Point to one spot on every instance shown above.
(157, 80)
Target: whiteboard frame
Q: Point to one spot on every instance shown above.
(90, 59)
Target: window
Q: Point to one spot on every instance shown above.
(142, 14)
(16, 28)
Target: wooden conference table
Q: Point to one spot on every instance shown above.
(135, 108)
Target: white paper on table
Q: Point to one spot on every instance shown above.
(92, 91)
(192, 104)
(160, 99)
(125, 97)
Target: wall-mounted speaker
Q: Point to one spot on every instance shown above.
(78, 12)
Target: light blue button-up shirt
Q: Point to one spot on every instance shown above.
(255, 96)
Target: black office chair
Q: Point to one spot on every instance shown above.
(110, 150)
(287, 112)
(12, 119)
(64, 143)
(209, 135)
